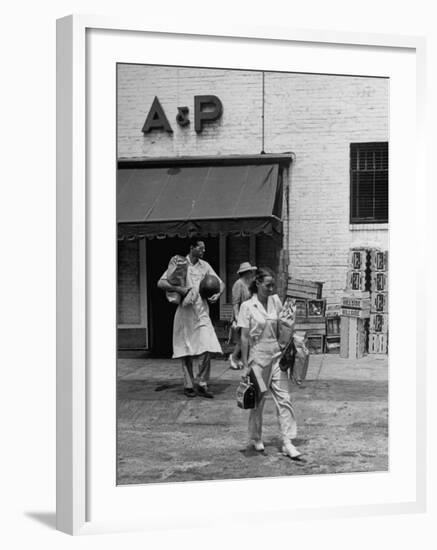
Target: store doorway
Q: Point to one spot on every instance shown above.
(160, 311)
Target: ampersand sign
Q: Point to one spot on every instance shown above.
(182, 116)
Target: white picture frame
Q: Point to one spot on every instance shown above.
(73, 276)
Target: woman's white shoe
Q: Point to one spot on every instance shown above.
(290, 450)
(233, 364)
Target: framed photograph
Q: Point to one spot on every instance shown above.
(202, 174)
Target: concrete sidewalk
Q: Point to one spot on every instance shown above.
(163, 436)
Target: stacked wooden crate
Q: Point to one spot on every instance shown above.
(378, 325)
(357, 275)
(355, 307)
(333, 319)
(310, 312)
(300, 288)
(355, 311)
(356, 304)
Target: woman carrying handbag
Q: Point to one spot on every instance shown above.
(261, 353)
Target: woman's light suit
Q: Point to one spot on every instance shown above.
(264, 353)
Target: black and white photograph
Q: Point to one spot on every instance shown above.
(218, 278)
(252, 273)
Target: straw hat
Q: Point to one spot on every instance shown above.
(245, 266)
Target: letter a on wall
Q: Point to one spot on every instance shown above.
(156, 119)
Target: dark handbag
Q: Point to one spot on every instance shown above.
(246, 394)
(288, 358)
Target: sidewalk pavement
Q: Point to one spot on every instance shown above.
(163, 436)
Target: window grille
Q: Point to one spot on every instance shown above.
(369, 182)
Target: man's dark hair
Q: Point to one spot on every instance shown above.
(193, 241)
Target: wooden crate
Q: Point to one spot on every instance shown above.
(316, 308)
(356, 302)
(300, 288)
(333, 310)
(358, 259)
(356, 280)
(378, 322)
(301, 308)
(363, 294)
(311, 327)
(379, 302)
(379, 281)
(378, 260)
(378, 342)
(332, 344)
(352, 338)
(313, 321)
(355, 312)
(333, 326)
(315, 343)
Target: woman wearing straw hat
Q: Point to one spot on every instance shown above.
(240, 293)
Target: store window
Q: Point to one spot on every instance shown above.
(369, 182)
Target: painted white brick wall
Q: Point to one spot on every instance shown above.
(314, 116)
(317, 117)
(237, 132)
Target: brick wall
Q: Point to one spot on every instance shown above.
(314, 116)
(237, 132)
(317, 117)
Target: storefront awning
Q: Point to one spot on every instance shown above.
(177, 201)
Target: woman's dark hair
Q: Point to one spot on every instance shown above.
(260, 275)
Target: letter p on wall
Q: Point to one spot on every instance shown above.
(207, 108)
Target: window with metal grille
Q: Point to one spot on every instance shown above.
(369, 182)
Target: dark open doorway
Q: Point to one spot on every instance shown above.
(161, 312)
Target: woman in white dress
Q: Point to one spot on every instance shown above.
(260, 354)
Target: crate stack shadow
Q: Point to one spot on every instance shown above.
(364, 306)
